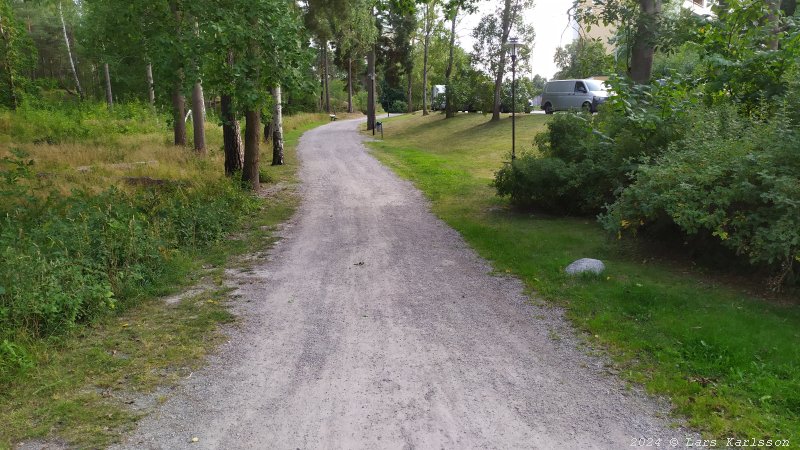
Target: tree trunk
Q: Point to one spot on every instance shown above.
(449, 108)
(277, 128)
(198, 119)
(151, 88)
(501, 63)
(231, 134)
(325, 74)
(267, 132)
(69, 52)
(371, 89)
(644, 42)
(789, 7)
(773, 15)
(252, 136)
(178, 114)
(350, 85)
(231, 137)
(426, 45)
(109, 94)
(410, 104)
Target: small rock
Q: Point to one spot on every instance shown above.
(586, 265)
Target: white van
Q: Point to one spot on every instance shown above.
(563, 95)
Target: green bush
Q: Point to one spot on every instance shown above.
(64, 260)
(597, 152)
(574, 175)
(730, 178)
(398, 107)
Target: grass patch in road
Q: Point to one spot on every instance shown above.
(89, 386)
(729, 360)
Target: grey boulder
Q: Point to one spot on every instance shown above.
(586, 265)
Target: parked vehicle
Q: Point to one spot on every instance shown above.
(437, 97)
(563, 95)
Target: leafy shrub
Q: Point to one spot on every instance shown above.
(574, 175)
(64, 260)
(398, 107)
(597, 152)
(13, 358)
(730, 178)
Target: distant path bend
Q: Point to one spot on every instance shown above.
(373, 325)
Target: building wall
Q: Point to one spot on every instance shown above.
(702, 7)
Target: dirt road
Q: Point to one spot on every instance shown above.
(373, 325)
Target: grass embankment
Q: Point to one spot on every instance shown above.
(83, 373)
(730, 361)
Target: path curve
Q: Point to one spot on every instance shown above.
(373, 325)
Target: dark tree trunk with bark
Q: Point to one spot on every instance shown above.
(789, 7)
(644, 42)
(449, 107)
(231, 137)
(410, 105)
(773, 16)
(178, 114)
(371, 89)
(501, 63)
(198, 119)
(277, 128)
(252, 135)
(231, 133)
(350, 85)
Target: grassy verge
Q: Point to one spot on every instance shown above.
(87, 386)
(729, 360)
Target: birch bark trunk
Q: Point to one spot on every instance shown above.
(151, 88)
(69, 51)
(448, 92)
(109, 94)
(277, 128)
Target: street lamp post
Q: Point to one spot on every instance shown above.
(513, 44)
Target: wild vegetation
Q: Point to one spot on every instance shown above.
(93, 230)
(705, 156)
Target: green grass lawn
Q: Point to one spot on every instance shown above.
(729, 360)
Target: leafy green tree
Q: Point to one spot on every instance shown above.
(491, 36)
(741, 63)
(16, 53)
(583, 58)
(452, 9)
(640, 25)
(355, 34)
(248, 47)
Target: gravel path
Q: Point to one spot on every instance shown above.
(373, 325)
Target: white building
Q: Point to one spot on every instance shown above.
(700, 7)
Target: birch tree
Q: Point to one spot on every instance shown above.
(72, 62)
